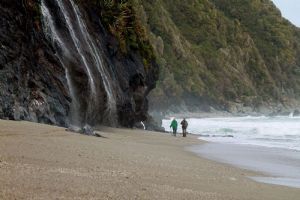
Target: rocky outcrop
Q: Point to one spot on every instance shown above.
(33, 81)
(134, 78)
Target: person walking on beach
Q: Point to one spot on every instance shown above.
(184, 125)
(174, 125)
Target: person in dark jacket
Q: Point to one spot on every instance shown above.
(184, 125)
(174, 125)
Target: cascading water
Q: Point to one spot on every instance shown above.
(63, 24)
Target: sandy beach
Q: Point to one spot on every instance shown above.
(46, 162)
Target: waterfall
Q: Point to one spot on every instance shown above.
(97, 58)
(76, 49)
(52, 33)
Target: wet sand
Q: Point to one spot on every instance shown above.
(281, 166)
(45, 162)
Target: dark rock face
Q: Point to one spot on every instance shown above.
(33, 83)
(134, 84)
(131, 81)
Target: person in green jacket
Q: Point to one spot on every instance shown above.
(174, 125)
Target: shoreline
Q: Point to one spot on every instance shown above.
(46, 162)
(252, 144)
(274, 165)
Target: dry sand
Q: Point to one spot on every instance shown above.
(45, 162)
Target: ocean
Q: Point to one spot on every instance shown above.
(279, 132)
(270, 145)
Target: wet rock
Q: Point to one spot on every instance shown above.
(133, 81)
(140, 125)
(296, 113)
(33, 83)
(86, 130)
(153, 125)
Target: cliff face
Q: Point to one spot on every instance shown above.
(234, 55)
(95, 62)
(128, 53)
(32, 83)
(69, 73)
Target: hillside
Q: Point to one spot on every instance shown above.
(234, 55)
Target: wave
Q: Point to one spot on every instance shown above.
(276, 131)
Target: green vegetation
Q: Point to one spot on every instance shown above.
(223, 51)
(216, 52)
(121, 19)
(33, 6)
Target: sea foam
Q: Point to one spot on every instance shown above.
(279, 132)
